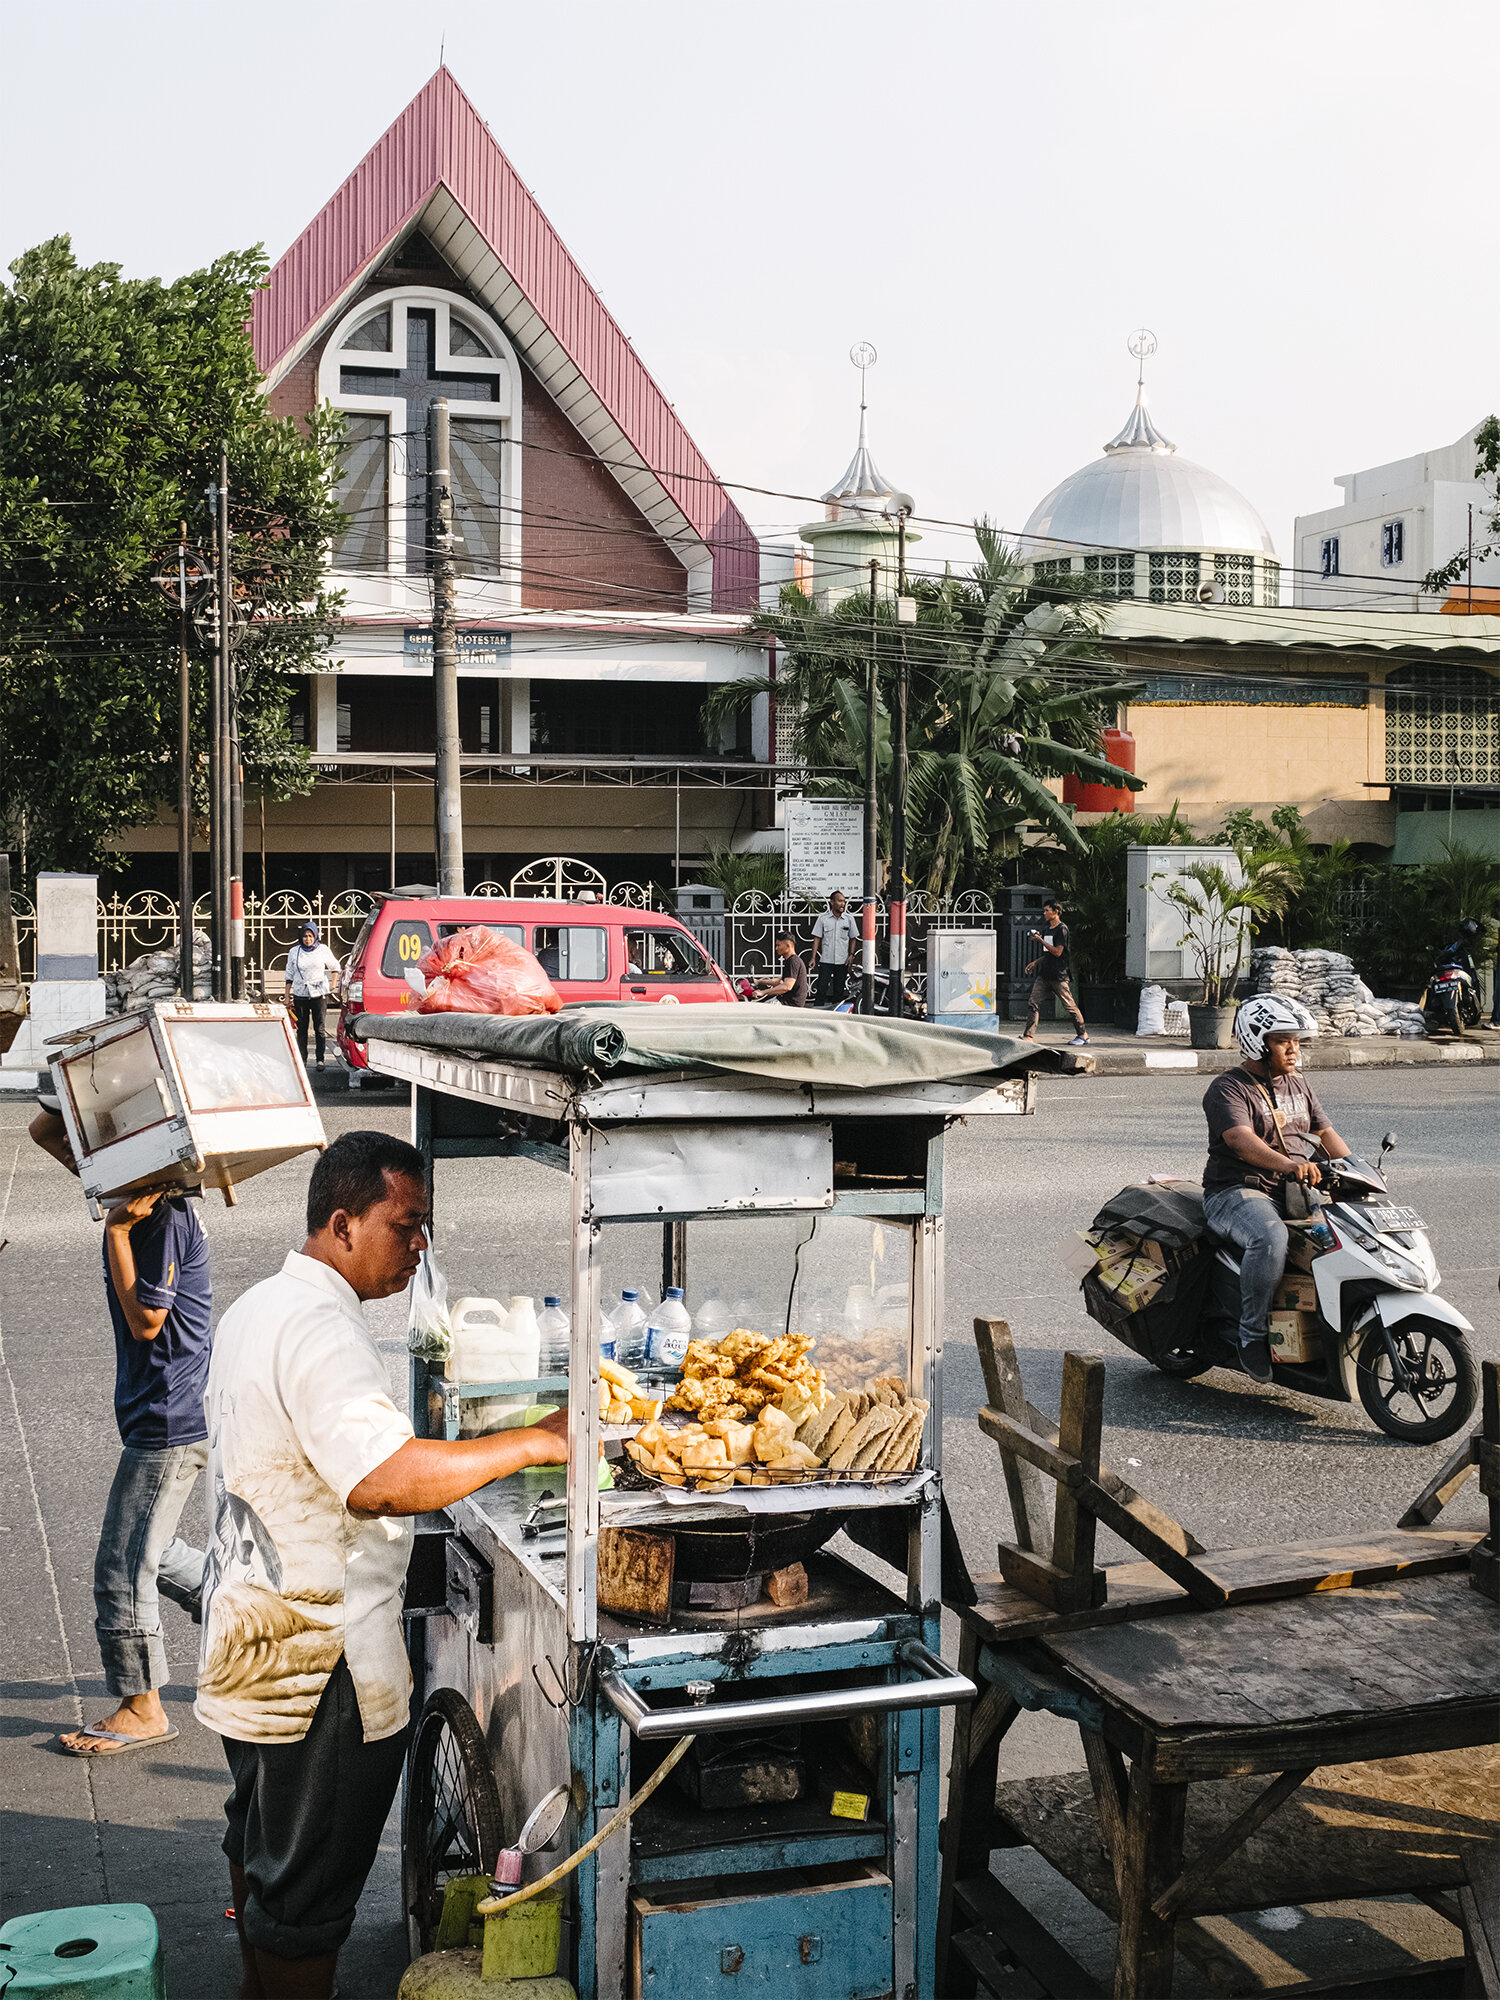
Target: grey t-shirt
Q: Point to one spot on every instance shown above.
(1235, 1097)
(794, 968)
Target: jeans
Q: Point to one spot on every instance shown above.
(140, 1560)
(310, 1007)
(1248, 1219)
(305, 1820)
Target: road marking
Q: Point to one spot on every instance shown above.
(1171, 1059)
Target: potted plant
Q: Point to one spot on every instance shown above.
(1220, 914)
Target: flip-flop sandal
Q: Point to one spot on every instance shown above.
(111, 1742)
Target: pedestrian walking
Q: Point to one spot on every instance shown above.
(312, 972)
(1052, 969)
(832, 940)
(156, 1282)
(314, 1475)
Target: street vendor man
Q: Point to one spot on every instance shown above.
(1253, 1112)
(314, 1475)
(160, 1299)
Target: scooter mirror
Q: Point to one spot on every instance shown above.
(1388, 1143)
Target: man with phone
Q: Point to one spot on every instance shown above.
(1051, 969)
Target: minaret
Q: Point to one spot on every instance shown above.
(859, 517)
(1138, 433)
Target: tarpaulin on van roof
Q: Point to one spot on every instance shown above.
(789, 1044)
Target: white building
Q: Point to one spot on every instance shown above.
(1398, 522)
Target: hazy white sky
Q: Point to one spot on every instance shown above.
(1298, 198)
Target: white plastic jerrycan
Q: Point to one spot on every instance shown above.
(493, 1345)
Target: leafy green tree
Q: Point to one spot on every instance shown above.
(116, 395)
(1008, 687)
(1486, 466)
(738, 874)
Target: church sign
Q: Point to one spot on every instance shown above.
(475, 649)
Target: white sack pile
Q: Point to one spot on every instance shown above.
(1325, 986)
(153, 976)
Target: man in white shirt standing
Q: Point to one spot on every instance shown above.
(313, 1475)
(833, 938)
(312, 972)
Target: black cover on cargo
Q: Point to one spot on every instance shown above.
(1171, 1216)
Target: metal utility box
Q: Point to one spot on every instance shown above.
(1154, 926)
(204, 1095)
(961, 983)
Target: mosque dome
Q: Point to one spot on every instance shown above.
(1197, 537)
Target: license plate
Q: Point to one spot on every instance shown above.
(1395, 1218)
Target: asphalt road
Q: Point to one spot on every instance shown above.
(1235, 1463)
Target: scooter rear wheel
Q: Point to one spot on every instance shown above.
(1447, 1389)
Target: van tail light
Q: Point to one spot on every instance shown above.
(355, 992)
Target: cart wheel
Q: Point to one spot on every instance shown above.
(451, 1822)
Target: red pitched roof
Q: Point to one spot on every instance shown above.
(440, 143)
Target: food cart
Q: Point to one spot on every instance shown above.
(797, 1848)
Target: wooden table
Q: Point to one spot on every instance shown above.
(1388, 1669)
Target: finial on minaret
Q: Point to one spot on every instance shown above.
(1140, 434)
(1141, 343)
(864, 357)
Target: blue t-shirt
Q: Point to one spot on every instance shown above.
(159, 1383)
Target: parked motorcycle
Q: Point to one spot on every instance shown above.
(914, 1007)
(1381, 1335)
(1451, 999)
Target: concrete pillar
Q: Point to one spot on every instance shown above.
(67, 992)
(325, 698)
(515, 715)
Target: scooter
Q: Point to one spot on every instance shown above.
(1381, 1336)
(1451, 999)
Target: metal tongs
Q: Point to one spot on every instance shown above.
(536, 1522)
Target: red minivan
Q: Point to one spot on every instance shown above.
(590, 951)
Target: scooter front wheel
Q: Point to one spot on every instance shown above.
(1439, 1389)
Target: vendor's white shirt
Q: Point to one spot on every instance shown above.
(299, 1411)
(310, 971)
(833, 936)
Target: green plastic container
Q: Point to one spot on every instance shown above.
(523, 1943)
(102, 1951)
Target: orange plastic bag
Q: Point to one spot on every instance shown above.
(476, 971)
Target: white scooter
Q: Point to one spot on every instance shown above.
(1386, 1338)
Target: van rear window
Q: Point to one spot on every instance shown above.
(407, 940)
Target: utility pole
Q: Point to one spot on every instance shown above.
(1470, 571)
(186, 980)
(449, 772)
(872, 808)
(217, 901)
(229, 923)
(897, 951)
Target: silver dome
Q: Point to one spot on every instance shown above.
(1141, 495)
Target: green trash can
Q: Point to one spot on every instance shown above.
(103, 1951)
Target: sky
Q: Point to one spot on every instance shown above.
(1296, 197)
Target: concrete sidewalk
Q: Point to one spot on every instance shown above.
(1118, 1053)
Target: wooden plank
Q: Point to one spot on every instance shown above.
(1294, 1569)
(1135, 1590)
(996, 1911)
(1191, 1882)
(1003, 1982)
(1030, 1501)
(1024, 1442)
(1053, 1588)
(1479, 1903)
(1080, 1426)
(972, 1775)
(1154, 1820)
(1488, 1457)
(1145, 1510)
(1106, 1769)
(1414, 1647)
(1202, 1587)
(1442, 1486)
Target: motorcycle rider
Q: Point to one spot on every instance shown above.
(1251, 1112)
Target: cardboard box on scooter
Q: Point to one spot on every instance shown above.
(1294, 1336)
(1297, 1292)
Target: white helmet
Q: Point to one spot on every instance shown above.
(1261, 1016)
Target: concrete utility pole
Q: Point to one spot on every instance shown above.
(872, 809)
(185, 970)
(450, 810)
(229, 887)
(897, 951)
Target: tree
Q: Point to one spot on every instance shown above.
(116, 395)
(1007, 688)
(1486, 466)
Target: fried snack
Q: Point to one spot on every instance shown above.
(774, 1433)
(615, 1413)
(624, 1381)
(737, 1346)
(876, 1422)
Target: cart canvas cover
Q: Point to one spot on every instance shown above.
(789, 1045)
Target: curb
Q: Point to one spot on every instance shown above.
(1369, 1053)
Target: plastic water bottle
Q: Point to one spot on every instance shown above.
(668, 1331)
(713, 1318)
(627, 1323)
(746, 1312)
(556, 1329)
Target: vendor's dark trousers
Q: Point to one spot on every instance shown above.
(305, 1821)
(1248, 1219)
(311, 1009)
(829, 982)
(140, 1560)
